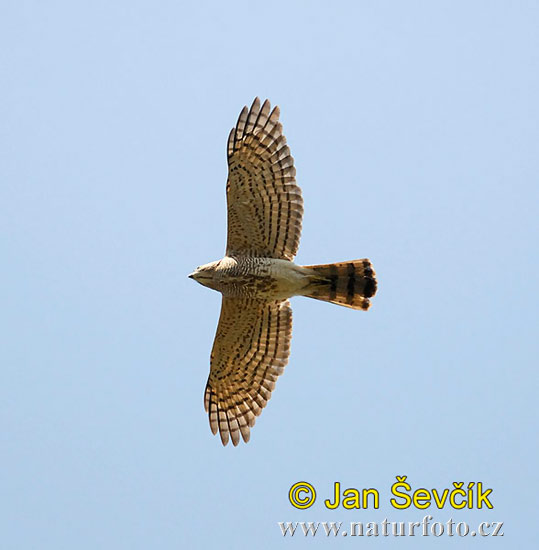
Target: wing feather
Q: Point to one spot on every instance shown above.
(250, 351)
(265, 206)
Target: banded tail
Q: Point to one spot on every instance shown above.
(348, 284)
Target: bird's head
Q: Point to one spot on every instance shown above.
(204, 274)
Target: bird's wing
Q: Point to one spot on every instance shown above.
(250, 351)
(265, 206)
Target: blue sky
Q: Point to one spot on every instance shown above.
(415, 131)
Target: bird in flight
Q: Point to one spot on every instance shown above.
(257, 276)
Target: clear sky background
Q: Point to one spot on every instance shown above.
(415, 130)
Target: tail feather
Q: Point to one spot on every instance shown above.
(348, 284)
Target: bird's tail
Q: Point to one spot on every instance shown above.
(348, 284)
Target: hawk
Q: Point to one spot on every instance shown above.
(257, 276)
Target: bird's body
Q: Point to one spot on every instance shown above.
(257, 276)
(267, 278)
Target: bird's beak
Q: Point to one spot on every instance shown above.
(191, 275)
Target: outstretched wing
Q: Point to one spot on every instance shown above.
(265, 206)
(250, 351)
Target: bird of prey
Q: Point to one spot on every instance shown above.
(257, 275)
